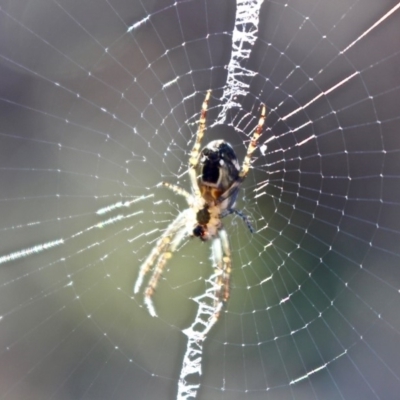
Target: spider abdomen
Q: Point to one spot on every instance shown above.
(218, 167)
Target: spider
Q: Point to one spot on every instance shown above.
(215, 177)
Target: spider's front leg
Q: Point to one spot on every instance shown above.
(172, 245)
(159, 251)
(223, 263)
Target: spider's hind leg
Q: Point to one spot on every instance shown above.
(194, 155)
(253, 144)
(244, 170)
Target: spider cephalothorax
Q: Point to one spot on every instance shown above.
(215, 176)
(203, 217)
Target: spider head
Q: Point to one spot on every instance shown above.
(218, 168)
(201, 232)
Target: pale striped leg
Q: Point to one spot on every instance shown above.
(178, 190)
(227, 264)
(253, 144)
(194, 155)
(247, 160)
(160, 247)
(222, 259)
(161, 262)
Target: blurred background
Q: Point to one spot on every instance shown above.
(99, 102)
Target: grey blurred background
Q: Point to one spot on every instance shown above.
(89, 117)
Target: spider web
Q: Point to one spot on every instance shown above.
(99, 104)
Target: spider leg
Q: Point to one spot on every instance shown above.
(161, 262)
(194, 155)
(244, 217)
(247, 160)
(178, 190)
(222, 259)
(160, 247)
(253, 144)
(227, 264)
